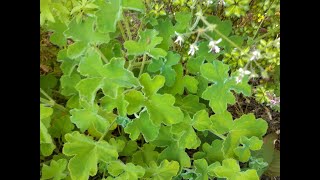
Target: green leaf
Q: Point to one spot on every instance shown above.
(183, 19)
(166, 170)
(68, 83)
(46, 143)
(142, 125)
(146, 44)
(213, 153)
(129, 149)
(186, 136)
(76, 49)
(219, 93)
(151, 86)
(84, 149)
(84, 35)
(160, 108)
(201, 167)
(47, 83)
(136, 101)
(194, 63)
(45, 11)
(175, 153)
(55, 171)
(230, 169)
(68, 65)
(217, 123)
(253, 143)
(111, 77)
(118, 143)
(119, 103)
(125, 171)
(57, 37)
(136, 5)
(166, 31)
(247, 126)
(190, 83)
(89, 119)
(189, 104)
(145, 155)
(60, 124)
(108, 15)
(165, 67)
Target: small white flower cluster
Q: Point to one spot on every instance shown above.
(242, 73)
(193, 47)
(255, 55)
(213, 46)
(179, 39)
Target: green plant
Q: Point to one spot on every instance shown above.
(149, 101)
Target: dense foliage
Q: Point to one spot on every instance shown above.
(143, 88)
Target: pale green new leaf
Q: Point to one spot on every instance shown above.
(230, 169)
(89, 119)
(189, 104)
(146, 155)
(146, 44)
(84, 149)
(166, 170)
(253, 143)
(46, 144)
(55, 171)
(125, 171)
(247, 125)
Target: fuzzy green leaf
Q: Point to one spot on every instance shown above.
(146, 44)
(165, 67)
(142, 125)
(136, 5)
(146, 155)
(84, 149)
(55, 171)
(219, 93)
(125, 171)
(247, 126)
(166, 170)
(108, 15)
(230, 169)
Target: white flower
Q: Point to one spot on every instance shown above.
(255, 55)
(179, 39)
(213, 45)
(193, 49)
(242, 73)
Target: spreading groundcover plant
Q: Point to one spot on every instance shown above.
(145, 87)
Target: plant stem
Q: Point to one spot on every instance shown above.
(46, 95)
(220, 136)
(142, 64)
(122, 31)
(139, 63)
(53, 104)
(125, 20)
(107, 130)
(101, 54)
